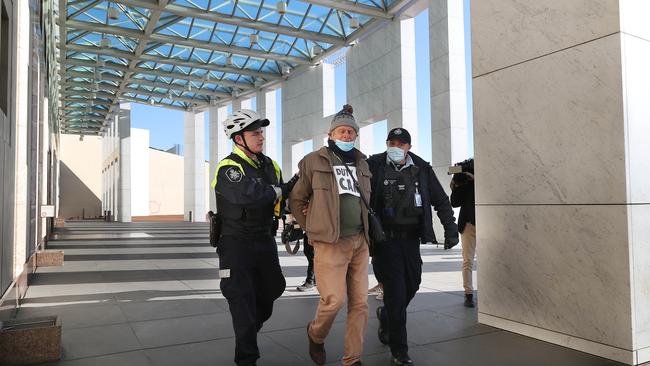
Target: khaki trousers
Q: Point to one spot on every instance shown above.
(468, 239)
(342, 269)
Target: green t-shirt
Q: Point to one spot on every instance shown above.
(349, 199)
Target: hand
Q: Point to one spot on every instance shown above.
(451, 242)
(288, 186)
(305, 209)
(278, 193)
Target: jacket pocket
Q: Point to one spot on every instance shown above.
(321, 180)
(319, 217)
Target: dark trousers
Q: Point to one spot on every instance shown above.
(309, 253)
(254, 282)
(398, 266)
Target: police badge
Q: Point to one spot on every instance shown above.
(234, 175)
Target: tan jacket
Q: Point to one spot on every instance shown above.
(318, 189)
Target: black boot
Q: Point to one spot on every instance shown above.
(382, 332)
(401, 359)
(469, 300)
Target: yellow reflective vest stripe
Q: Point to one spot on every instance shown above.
(242, 155)
(223, 163)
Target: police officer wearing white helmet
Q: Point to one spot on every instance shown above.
(249, 190)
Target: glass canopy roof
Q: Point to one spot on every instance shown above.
(188, 54)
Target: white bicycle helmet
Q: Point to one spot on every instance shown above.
(241, 120)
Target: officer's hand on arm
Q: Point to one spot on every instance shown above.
(451, 242)
(301, 194)
(288, 186)
(278, 193)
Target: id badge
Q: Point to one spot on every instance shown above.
(418, 199)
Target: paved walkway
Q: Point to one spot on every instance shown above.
(148, 294)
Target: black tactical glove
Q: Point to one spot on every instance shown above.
(288, 186)
(451, 242)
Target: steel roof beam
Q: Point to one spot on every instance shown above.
(210, 66)
(140, 92)
(84, 101)
(98, 94)
(91, 76)
(163, 38)
(162, 105)
(197, 79)
(195, 90)
(163, 96)
(94, 109)
(158, 59)
(229, 49)
(351, 7)
(180, 88)
(236, 21)
(92, 115)
(172, 75)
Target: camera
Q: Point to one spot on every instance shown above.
(463, 172)
(465, 166)
(291, 232)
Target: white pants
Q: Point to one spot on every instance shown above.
(468, 238)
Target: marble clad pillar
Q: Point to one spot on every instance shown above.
(236, 104)
(563, 172)
(215, 131)
(194, 167)
(124, 163)
(220, 146)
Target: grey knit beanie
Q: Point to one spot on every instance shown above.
(344, 117)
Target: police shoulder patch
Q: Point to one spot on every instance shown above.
(234, 174)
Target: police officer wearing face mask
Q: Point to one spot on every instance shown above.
(249, 191)
(404, 187)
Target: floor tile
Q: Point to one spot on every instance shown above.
(100, 340)
(165, 332)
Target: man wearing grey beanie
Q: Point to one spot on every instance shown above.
(326, 202)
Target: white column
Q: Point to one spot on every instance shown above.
(563, 173)
(236, 104)
(216, 132)
(194, 167)
(266, 105)
(381, 76)
(124, 177)
(139, 172)
(45, 164)
(302, 114)
(409, 87)
(329, 90)
(21, 141)
(116, 169)
(449, 98)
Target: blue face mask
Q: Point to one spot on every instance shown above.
(345, 146)
(395, 154)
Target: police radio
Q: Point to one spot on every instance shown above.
(215, 228)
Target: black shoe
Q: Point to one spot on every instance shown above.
(401, 359)
(316, 350)
(382, 333)
(469, 300)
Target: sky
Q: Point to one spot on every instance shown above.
(166, 125)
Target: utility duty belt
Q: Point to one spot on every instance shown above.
(402, 234)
